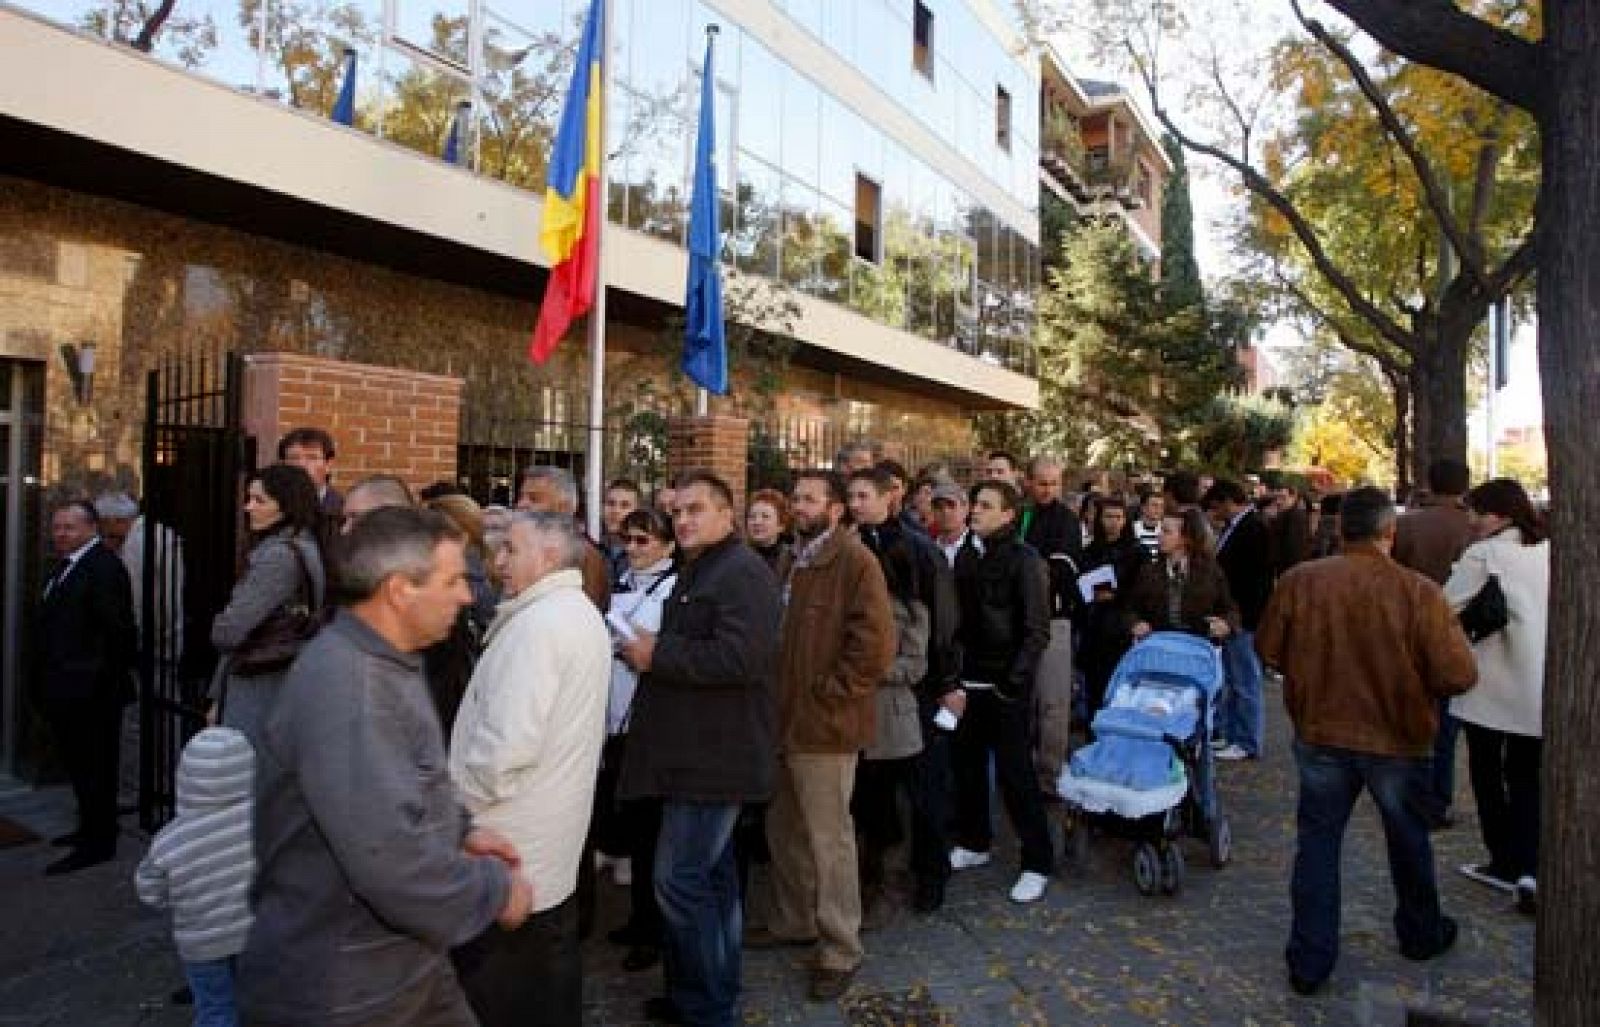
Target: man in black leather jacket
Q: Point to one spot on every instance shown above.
(1004, 590)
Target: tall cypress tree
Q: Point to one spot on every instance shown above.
(1180, 274)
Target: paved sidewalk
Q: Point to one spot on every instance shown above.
(80, 952)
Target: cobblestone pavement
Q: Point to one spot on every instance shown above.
(79, 951)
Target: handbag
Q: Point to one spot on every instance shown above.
(1486, 612)
(276, 641)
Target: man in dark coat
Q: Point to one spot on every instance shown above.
(88, 645)
(1245, 553)
(703, 740)
(1054, 530)
(1430, 539)
(1004, 591)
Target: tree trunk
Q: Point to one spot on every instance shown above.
(1439, 382)
(1401, 388)
(1568, 974)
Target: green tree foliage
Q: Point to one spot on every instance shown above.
(1180, 272)
(1124, 376)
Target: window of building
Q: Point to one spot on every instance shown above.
(869, 219)
(1002, 117)
(922, 38)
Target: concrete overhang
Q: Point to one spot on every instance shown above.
(98, 118)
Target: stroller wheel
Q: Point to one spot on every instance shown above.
(1076, 848)
(1146, 868)
(1220, 839)
(1172, 870)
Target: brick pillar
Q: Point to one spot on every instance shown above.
(716, 443)
(382, 419)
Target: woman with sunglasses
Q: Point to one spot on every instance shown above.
(625, 832)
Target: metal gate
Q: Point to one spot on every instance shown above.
(195, 458)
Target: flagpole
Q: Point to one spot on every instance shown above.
(594, 484)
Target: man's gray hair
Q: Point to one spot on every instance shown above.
(558, 531)
(387, 489)
(558, 478)
(388, 541)
(116, 506)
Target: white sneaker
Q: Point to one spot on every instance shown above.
(1029, 887)
(1219, 743)
(962, 859)
(622, 871)
(1232, 752)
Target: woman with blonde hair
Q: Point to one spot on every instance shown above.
(468, 516)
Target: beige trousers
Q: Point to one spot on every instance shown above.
(815, 889)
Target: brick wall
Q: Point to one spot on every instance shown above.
(718, 443)
(382, 419)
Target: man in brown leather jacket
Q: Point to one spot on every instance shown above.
(838, 643)
(1366, 648)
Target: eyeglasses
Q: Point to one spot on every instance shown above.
(637, 539)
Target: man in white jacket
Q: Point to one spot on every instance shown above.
(523, 755)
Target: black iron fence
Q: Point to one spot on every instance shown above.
(781, 446)
(195, 458)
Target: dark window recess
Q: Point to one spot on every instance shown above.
(1002, 117)
(922, 39)
(869, 219)
(1099, 158)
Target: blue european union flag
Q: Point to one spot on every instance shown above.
(705, 347)
(344, 108)
(455, 149)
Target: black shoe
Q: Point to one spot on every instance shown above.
(661, 1009)
(1444, 820)
(183, 996)
(79, 859)
(67, 841)
(641, 957)
(1305, 986)
(1448, 931)
(928, 897)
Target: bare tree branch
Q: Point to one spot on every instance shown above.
(1438, 33)
(1469, 250)
(1392, 331)
(1348, 338)
(1484, 178)
(146, 40)
(1515, 270)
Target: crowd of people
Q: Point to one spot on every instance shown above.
(435, 726)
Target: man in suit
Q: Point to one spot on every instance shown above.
(86, 659)
(1244, 551)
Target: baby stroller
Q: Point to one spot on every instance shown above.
(1149, 772)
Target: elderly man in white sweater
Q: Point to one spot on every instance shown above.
(523, 755)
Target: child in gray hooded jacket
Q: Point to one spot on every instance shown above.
(202, 864)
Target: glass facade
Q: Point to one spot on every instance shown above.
(792, 154)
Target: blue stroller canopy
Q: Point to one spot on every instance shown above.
(1174, 657)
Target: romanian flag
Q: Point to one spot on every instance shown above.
(573, 207)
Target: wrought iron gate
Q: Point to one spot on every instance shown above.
(195, 458)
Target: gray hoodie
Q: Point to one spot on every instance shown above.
(201, 864)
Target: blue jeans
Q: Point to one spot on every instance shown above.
(697, 886)
(212, 984)
(1331, 780)
(1244, 718)
(1442, 789)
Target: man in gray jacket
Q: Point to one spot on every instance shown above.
(368, 873)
